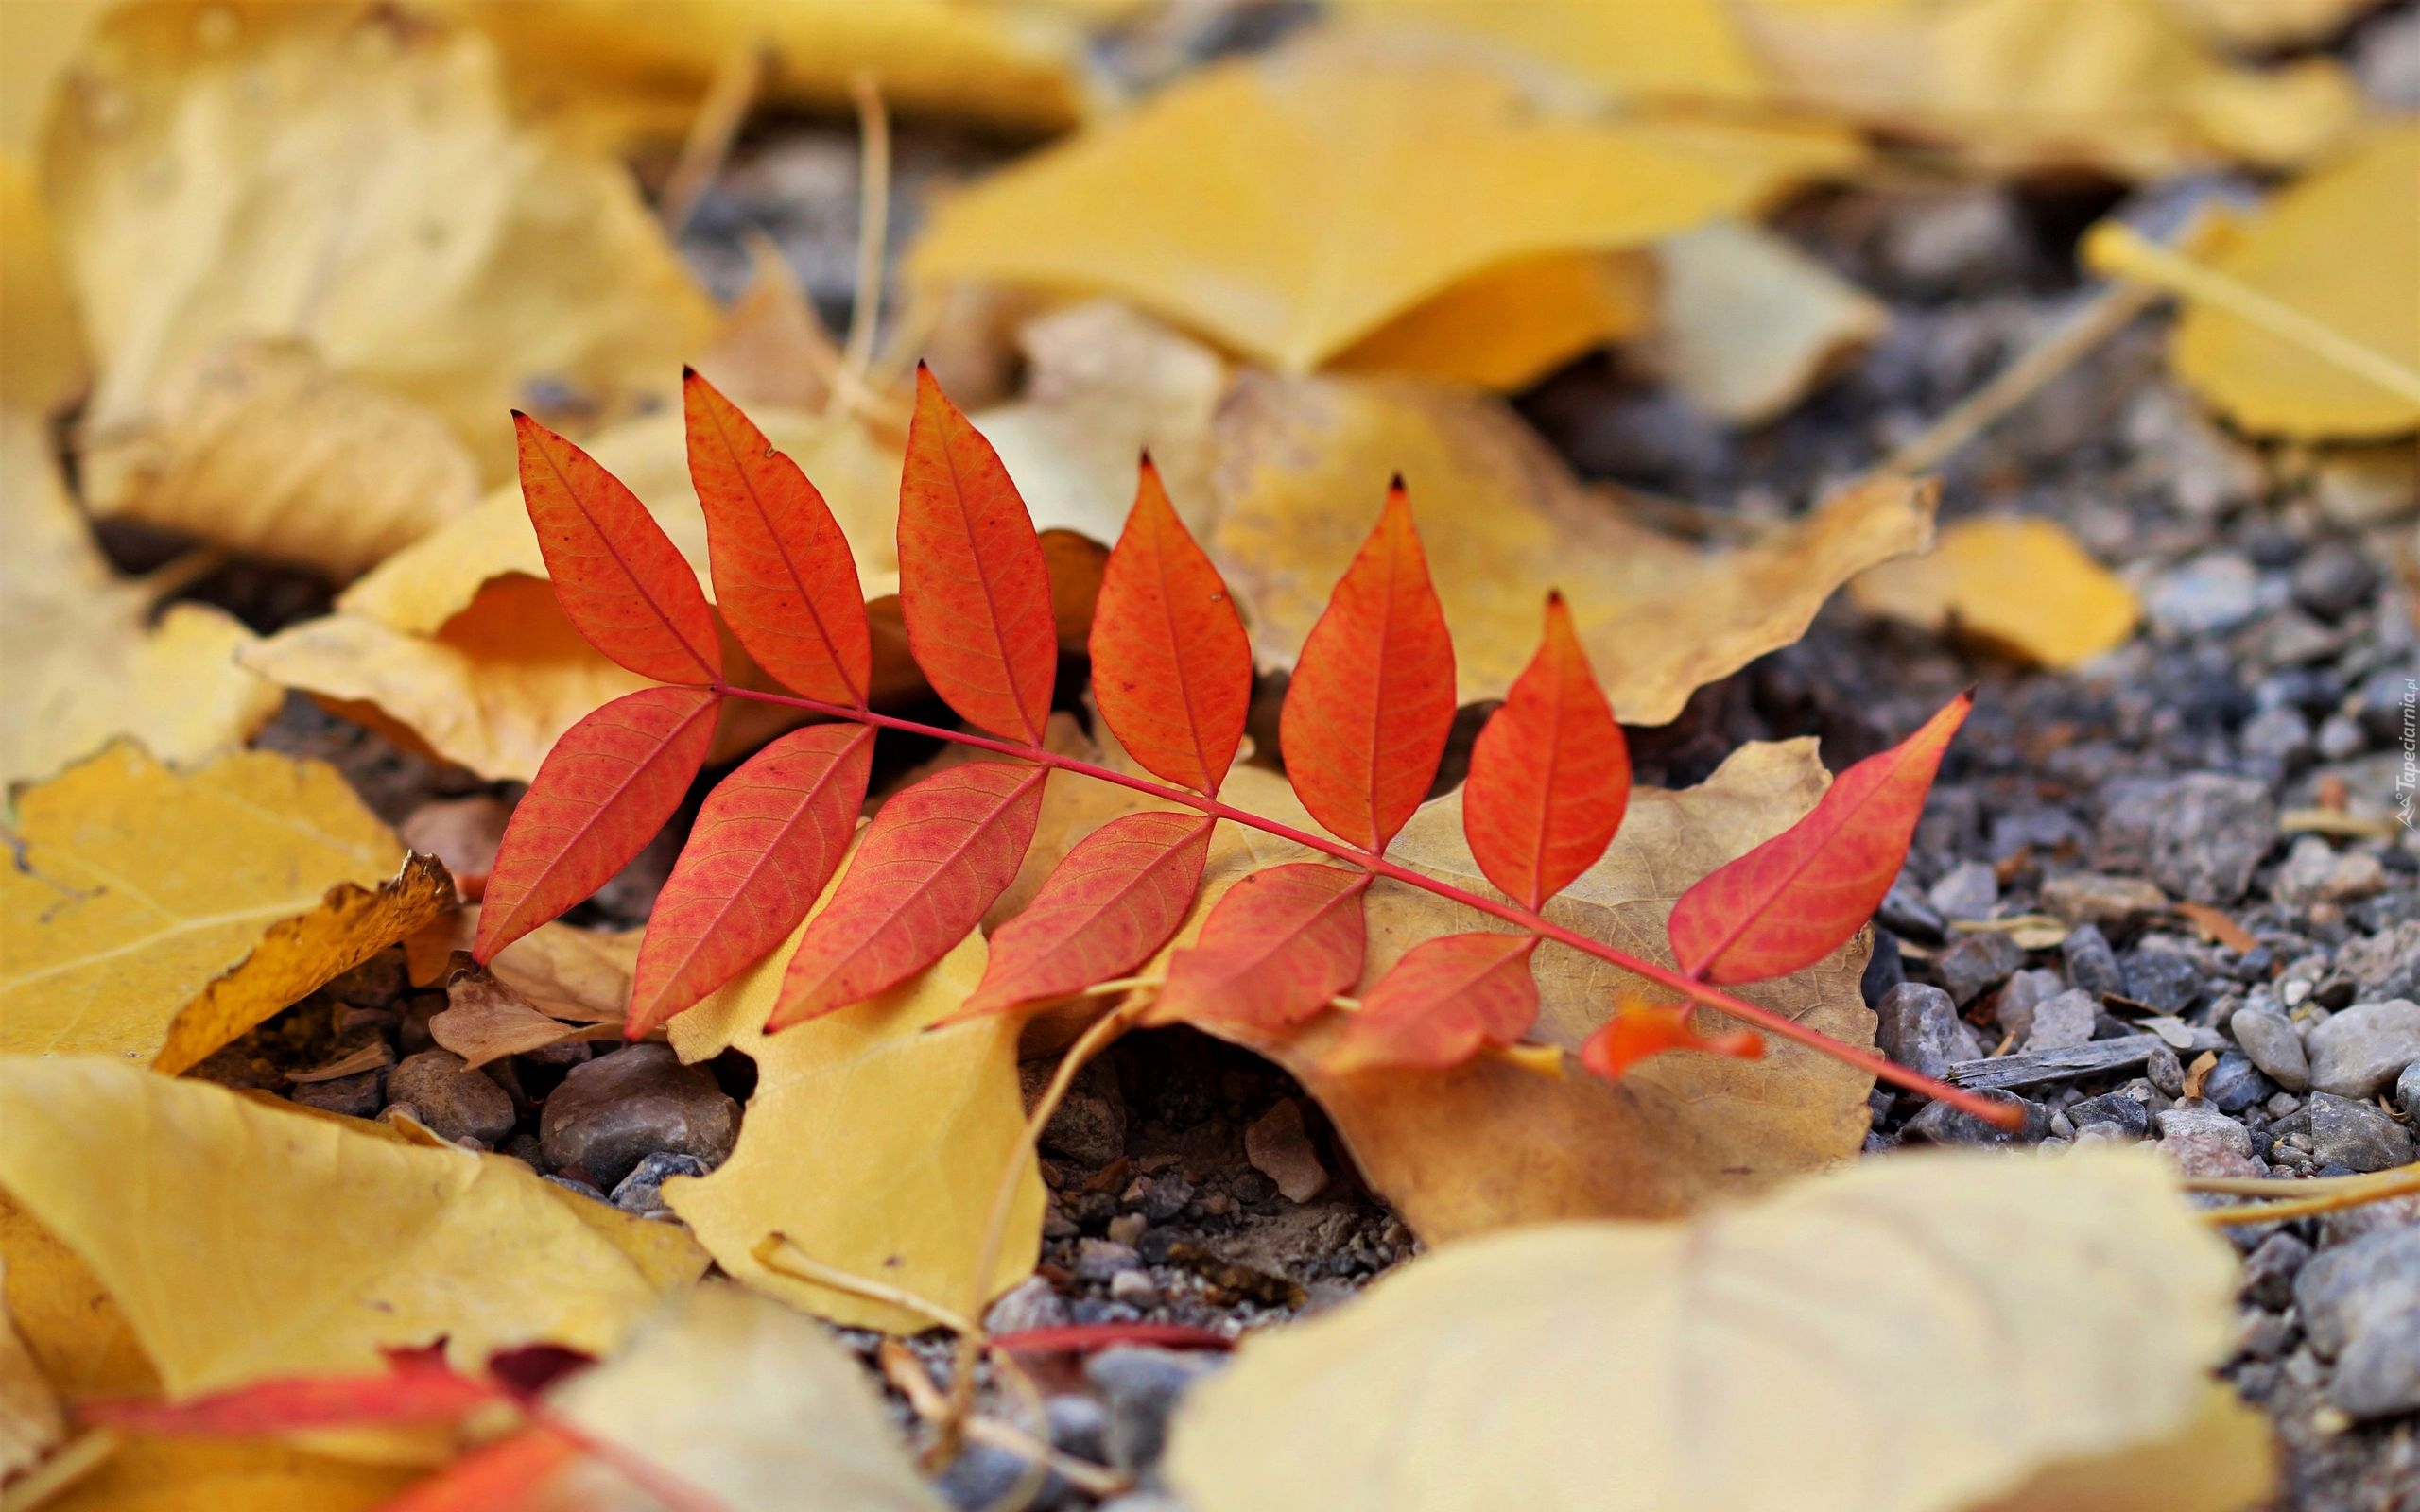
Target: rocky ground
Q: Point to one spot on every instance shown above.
(2244, 755)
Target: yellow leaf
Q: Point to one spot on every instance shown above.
(1643, 52)
(277, 881)
(1758, 1357)
(744, 1400)
(351, 179)
(206, 1476)
(1291, 207)
(2339, 248)
(79, 1339)
(48, 364)
(1749, 323)
(2260, 25)
(872, 1145)
(30, 1421)
(307, 1244)
(1302, 465)
(1507, 328)
(2020, 585)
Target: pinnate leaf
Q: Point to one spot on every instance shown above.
(930, 864)
(973, 586)
(1372, 701)
(1549, 774)
(1106, 909)
(1794, 899)
(1275, 950)
(783, 578)
(620, 578)
(1642, 1030)
(604, 791)
(418, 1387)
(1171, 666)
(1442, 1002)
(766, 842)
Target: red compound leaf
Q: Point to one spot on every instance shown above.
(1372, 700)
(619, 577)
(600, 796)
(1106, 909)
(784, 577)
(504, 1476)
(1172, 668)
(1549, 773)
(973, 586)
(1272, 951)
(766, 844)
(1796, 897)
(420, 1388)
(1650, 1029)
(1439, 1005)
(936, 856)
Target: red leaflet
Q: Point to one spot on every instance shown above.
(767, 841)
(1172, 668)
(504, 1476)
(1635, 1033)
(784, 577)
(1275, 950)
(933, 860)
(1446, 998)
(1117, 897)
(419, 1388)
(1794, 899)
(1373, 697)
(1550, 775)
(620, 578)
(973, 586)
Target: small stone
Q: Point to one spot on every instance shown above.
(611, 1112)
(2378, 1373)
(2097, 898)
(2333, 579)
(395, 1112)
(2280, 734)
(2269, 1040)
(2235, 1083)
(2407, 1089)
(2198, 1120)
(2198, 836)
(1090, 1124)
(356, 1096)
(2355, 1135)
(987, 1476)
(1129, 1227)
(2112, 1110)
(642, 1191)
(1032, 1304)
(1098, 1260)
(2164, 1071)
(1969, 890)
(2386, 966)
(2092, 965)
(2207, 595)
(2269, 1270)
(1884, 970)
(2356, 1052)
(2346, 1291)
(2064, 1022)
(2313, 873)
(1918, 1026)
(1976, 964)
(1904, 911)
(454, 1101)
(2162, 982)
(1941, 1123)
(464, 833)
(2339, 739)
(1079, 1426)
(1280, 1149)
(1139, 1388)
(1135, 1288)
(373, 984)
(2012, 1010)
(573, 1183)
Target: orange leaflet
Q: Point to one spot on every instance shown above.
(600, 796)
(1794, 899)
(1373, 697)
(934, 859)
(1172, 668)
(1637, 1031)
(973, 586)
(504, 1476)
(784, 577)
(1275, 950)
(1114, 901)
(419, 1388)
(1439, 1005)
(621, 580)
(1549, 774)
(766, 842)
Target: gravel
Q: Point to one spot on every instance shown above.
(2359, 1051)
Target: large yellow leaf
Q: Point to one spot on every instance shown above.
(2020, 585)
(206, 1476)
(30, 1419)
(1509, 327)
(1928, 1333)
(1303, 464)
(48, 364)
(157, 915)
(1291, 207)
(301, 1243)
(350, 179)
(2341, 248)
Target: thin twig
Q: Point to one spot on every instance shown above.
(707, 146)
(798, 1265)
(2304, 1199)
(907, 1374)
(874, 229)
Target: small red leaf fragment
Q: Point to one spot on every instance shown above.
(1372, 700)
(1272, 951)
(973, 586)
(421, 1388)
(1796, 897)
(1635, 1033)
(932, 861)
(617, 575)
(600, 796)
(1442, 1002)
(784, 577)
(767, 840)
(1549, 773)
(1171, 665)
(1115, 900)
(504, 1476)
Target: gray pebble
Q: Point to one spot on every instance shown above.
(1969, 890)
(2334, 578)
(1904, 911)
(2162, 982)
(2027, 990)
(2117, 1110)
(2270, 1039)
(2207, 595)
(1941, 1123)
(1098, 1260)
(453, 1100)
(2200, 1120)
(2347, 1289)
(2406, 1090)
(2280, 734)
(2097, 898)
(986, 1475)
(2355, 1135)
(1918, 1026)
(2092, 965)
(570, 1183)
(2378, 1374)
(2363, 1049)
(2269, 1270)
(1139, 1388)
(642, 1191)
(2064, 1022)
(1976, 964)
(615, 1110)
(2386, 966)
(356, 1096)
(2164, 1071)
(1031, 1303)
(2198, 836)
(2235, 1083)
